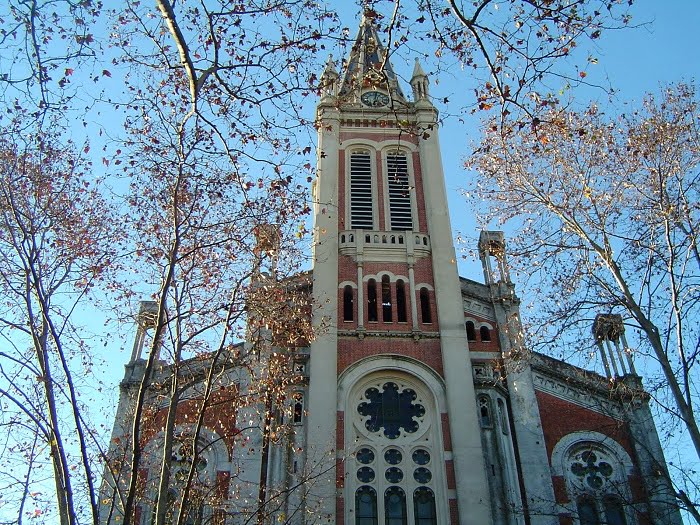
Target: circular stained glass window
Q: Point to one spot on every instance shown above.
(365, 475)
(421, 457)
(393, 456)
(391, 411)
(365, 456)
(393, 475)
(422, 475)
(591, 469)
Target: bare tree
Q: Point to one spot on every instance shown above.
(520, 54)
(609, 215)
(216, 139)
(54, 229)
(211, 151)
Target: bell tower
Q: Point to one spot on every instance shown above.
(388, 431)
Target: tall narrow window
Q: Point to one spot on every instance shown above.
(348, 303)
(399, 191)
(485, 334)
(361, 210)
(395, 506)
(425, 306)
(298, 416)
(587, 511)
(386, 299)
(194, 512)
(614, 513)
(484, 411)
(471, 331)
(372, 300)
(424, 506)
(365, 506)
(400, 301)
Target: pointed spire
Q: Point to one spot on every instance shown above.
(418, 70)
(367, 65)
(329, 80)
(330, 71)
(419, 83)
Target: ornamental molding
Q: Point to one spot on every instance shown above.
(577, 394)
(479, 308)
(415, 334)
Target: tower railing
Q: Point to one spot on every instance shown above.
(407, 242)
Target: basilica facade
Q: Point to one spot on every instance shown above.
(417, 400)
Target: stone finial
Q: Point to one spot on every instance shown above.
(145, 320)
(492, 244)
(609, 333)
(329, 79)
(419, 83)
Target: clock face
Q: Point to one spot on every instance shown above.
(374, 99)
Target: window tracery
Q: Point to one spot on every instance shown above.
(187, 457)
(394, 477)
(391, 410)
(484, 411)
(597, 482)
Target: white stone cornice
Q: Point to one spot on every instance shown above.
(577, 395)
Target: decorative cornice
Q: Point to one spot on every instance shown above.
(590, 398)
(389, 333)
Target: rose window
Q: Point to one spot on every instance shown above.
(421, 457)
(590, 469)
(391, 410)
(422, 475)
(394, 475)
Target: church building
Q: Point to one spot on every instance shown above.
(418, 401)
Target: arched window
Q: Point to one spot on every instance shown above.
(485, 334)
(614, 513)
(400, 301)
(365, 506)
(596, 478)
(395, 506)
(484, 411)
(372, 300)
(386, 299)
(399, 191)
(425, 306)
(348, 303)
(361, 208)
(298, 415)
(424, 506)
(587, 511)
(394, 425)
(471, 331)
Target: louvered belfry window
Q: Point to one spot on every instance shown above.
(399, 191)
(361, 213)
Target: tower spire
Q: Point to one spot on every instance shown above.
(368, 65)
